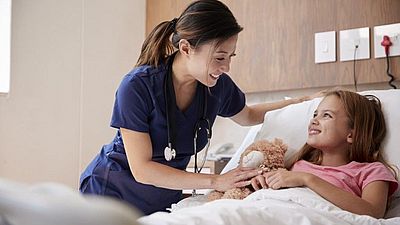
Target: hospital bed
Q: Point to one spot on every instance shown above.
(298, 206)
(49, 203)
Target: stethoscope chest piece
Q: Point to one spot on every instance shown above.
(169, 153)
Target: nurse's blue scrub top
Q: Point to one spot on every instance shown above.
(140, 106)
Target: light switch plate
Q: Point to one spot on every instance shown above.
(325, 47)
(349, 39)
(391, 30)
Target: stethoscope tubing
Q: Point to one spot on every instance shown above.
(170, 119)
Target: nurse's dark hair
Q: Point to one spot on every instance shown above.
(202, 22)
(366, 119)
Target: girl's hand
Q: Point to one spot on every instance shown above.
(259, 182)
(282, 178)
(239, 177)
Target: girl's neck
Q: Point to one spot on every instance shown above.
(334, 159)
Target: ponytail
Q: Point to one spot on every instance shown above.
(157, 45)
(203, 21)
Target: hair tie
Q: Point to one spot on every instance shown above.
(173, 23)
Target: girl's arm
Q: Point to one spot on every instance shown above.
(139, 153)
(372, 202)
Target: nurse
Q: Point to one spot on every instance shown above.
(177, 88)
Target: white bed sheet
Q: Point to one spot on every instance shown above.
(299, 206)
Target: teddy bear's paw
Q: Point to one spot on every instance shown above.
(237, 193)
(214, 195)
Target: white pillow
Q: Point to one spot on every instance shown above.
(289, 124)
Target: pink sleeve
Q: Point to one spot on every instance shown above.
(377, 171)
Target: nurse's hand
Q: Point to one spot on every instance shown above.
(239, 177)
(312, 96)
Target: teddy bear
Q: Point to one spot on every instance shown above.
(268, 155)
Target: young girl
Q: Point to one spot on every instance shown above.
(342, 160)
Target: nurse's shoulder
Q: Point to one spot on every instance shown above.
(145, 72)
(145, 75)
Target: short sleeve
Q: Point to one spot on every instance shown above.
(132, 105)
(232, 99)
(378, 172)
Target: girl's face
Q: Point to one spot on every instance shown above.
(207, 63)
(329, 128)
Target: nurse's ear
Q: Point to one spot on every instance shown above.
(184, 47)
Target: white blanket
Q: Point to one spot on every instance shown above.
(299, 206)
(57, 204)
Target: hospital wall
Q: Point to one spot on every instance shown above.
(67, 59)
(275, 51)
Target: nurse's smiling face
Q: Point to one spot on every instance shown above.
(207, 62)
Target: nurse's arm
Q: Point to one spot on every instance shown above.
(139, 153)
(254, 114)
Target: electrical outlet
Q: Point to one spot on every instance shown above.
(350, 39)
(391, 30)
(325, 47)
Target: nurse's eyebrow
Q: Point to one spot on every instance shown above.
(224, 52)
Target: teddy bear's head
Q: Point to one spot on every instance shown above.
(264, 154)
(268, 155)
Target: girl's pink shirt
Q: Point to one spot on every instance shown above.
(352, 177)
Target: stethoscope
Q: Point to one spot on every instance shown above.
(170, 103)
